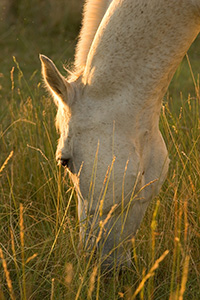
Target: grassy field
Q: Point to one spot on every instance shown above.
(39, 256)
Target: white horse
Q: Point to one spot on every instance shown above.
(109, 107)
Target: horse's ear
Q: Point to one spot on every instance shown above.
(55, 82)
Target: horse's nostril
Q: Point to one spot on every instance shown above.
(64, 162)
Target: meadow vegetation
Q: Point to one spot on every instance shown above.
(39, 256)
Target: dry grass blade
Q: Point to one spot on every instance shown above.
(39, 150)
(184, 278)
(7, 274)
(103, 223)
(52, 288)
(31, 257)
(149, 274)
(6, 161)
(69, 273)
(92, 282)
(21, 224)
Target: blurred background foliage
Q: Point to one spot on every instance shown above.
(28, 28)
(39, 12)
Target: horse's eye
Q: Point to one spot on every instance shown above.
(65, 162)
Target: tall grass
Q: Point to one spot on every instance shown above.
(39, 255)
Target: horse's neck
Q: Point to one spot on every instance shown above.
(138, 47)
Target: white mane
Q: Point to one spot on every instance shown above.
(93, 13)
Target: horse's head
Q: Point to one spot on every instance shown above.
(94, 146)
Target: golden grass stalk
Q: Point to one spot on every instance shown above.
(185, 207)
(98, 283)
(15, 122)
(13, 248)
(52, 288)
(104, 222)
(6, 161)
(58, 199)
(93, 177)
(152, 249)
(123, 183)
(184, 278)
(69, 273)
(175, 251)
(31, 257)
(7, 274)
(92, 282)
(106, 182)
(12, 80)
(21, 225)
(192, 74)
(142, 290)
(15, 258)
(39, 150)
(135, 254)
(149, 274)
